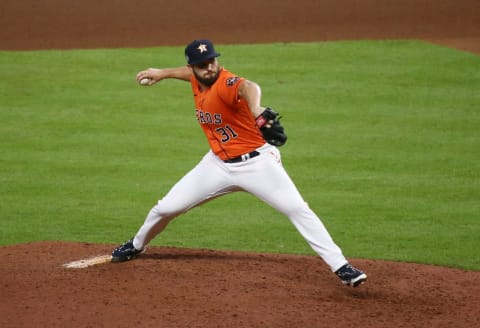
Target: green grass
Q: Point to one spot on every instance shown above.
(383, 144)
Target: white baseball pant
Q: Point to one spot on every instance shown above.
(264, 177)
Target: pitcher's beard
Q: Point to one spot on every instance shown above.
(206, 81)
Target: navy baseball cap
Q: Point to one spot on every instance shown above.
(199, 51)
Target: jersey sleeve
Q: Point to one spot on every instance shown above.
(229, 89)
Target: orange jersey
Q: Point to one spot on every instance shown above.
(226, 119)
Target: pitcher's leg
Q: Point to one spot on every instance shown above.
(313, 230)
(204, 182)
(271, 183)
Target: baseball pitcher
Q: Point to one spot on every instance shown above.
(243, 137)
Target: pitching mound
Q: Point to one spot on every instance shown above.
(171, 287)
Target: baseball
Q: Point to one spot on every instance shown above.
(145, 81)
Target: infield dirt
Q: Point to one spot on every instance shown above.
(172, 287)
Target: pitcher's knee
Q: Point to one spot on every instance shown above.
(297, 210)
(166, 210)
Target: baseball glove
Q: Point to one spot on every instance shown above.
(272, 131)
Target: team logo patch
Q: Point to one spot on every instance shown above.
(232, 80)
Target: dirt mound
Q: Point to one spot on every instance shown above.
(171, 287)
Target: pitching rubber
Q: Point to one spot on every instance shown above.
(85, 263)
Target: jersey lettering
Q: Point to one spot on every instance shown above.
(208, 118)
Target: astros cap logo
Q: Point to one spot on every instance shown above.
(202, 47)
(199, 51)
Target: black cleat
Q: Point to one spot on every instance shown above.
(125, 252)
(351, 276)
